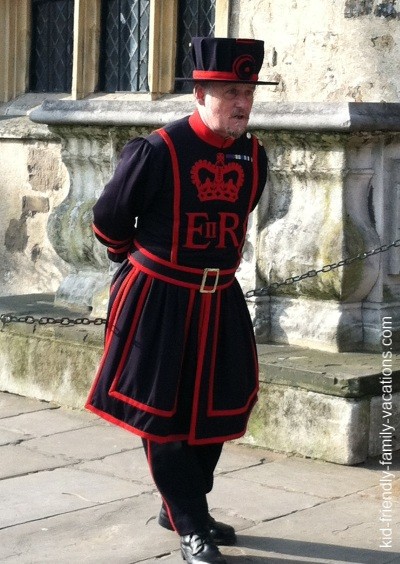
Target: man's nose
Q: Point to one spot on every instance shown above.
(244, 102)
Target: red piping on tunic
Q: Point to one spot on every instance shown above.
(157, 438)
(136, 431)
(211, 411)
(199, 271)
(181, 283)
(118, 395)
(150, 463)
(109, 333)
(214, 356)
(177, 194)
(255, 173)
(204, 323)
(119, 303)
(107, 239)
(254, 189)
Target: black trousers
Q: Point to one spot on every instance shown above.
(184, 475)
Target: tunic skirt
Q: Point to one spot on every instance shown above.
(180, 360)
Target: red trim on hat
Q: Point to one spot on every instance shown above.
(219, 75)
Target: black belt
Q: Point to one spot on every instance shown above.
(205, 280)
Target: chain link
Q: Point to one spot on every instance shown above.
(7, 318)
(265, 290)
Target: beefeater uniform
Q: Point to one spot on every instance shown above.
(180, 360)
(180, 364)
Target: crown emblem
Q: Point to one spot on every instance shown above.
(219, 181)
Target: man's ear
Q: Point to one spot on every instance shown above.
(199, 93)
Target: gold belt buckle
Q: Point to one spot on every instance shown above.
(206, 272)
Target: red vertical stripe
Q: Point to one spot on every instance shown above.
(214, 355)
(255, 173)
(150, 463)
(177, 194)
(129, 339)
(204, 322)
(254, 188)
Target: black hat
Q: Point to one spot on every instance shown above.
(227, 59)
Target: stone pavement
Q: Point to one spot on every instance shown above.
(76, 489)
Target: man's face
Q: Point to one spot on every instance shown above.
(225, 107)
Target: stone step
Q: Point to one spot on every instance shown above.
(318, 404)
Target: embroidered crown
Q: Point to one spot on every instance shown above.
(219, 181)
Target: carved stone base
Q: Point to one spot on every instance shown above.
(80, 291)
(317, 324)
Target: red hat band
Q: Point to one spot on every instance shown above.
(219, 75)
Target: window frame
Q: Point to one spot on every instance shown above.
(15, 46)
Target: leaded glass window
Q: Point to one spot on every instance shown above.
(124, 45)
(195, 18)
(52, 45)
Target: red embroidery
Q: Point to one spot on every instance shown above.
(200, 230)
(217, 181)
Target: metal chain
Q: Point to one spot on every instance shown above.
(265, 290)
(6, 318)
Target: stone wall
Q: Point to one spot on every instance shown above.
(33, 180)
(325, 51)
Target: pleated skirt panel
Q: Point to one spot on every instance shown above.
(177, 364)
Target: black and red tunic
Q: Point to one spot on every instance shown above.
(180, 360)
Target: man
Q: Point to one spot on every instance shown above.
(180, 364)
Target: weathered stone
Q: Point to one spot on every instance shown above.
(45, 172)
(314, 425)
(33, 182)
(357, 8)
(16, 236)
(48, 368)
(35, 204)
(72, 490)
(384, 434)
(323, 51)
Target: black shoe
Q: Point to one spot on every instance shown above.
(220, 532)
(199, 547)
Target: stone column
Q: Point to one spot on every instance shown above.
(318, 216)
(88, 157)
(326, 199)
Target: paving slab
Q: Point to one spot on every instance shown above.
(336, 531)
(16, 460)
(43, 494)
(12, 404)
(261, 502)
(128, 465)
(10, 437)
(311, 477)
(46, 422)
(86, 443)
(120, 532)
(235, 457)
